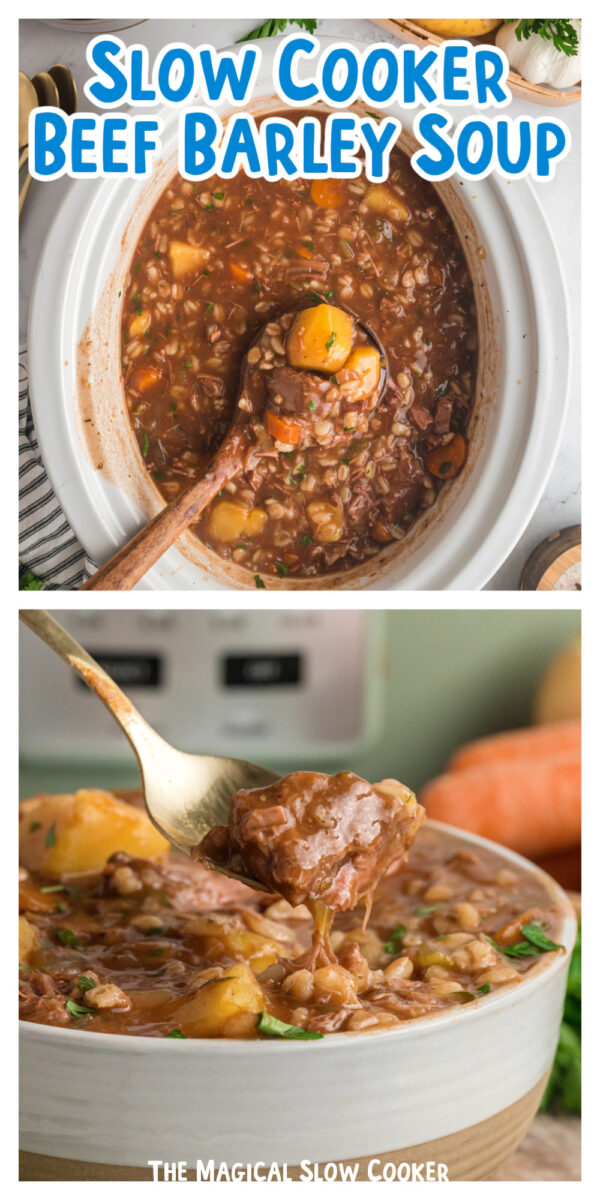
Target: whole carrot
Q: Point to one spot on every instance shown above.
(562, 738)
(533, 807)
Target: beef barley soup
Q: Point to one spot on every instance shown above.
(137, 940)
(217, 261)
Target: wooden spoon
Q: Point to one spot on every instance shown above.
(238, 451)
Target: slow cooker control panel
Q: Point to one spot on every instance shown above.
(212, 682)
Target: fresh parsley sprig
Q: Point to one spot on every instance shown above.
(275, 25)
(563, 1092)
(562, 33)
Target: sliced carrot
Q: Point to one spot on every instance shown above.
(328, 193)
(537, 743)
(533, 807)
(303, 251)
(446, 461)
(144, 378)
(240, 272)
(381, 532)
(513, 931)
(282, 429)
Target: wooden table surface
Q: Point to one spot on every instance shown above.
(550, 1152)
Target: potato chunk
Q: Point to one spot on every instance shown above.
(320, 339)
(326, 519)
(29, 938)
(381, 199)
(362, 369)
(73, 834)
(140, 324)
(186, 259)
(229, 521)
(234, 1000)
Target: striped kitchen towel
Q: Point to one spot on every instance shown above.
(50, 556)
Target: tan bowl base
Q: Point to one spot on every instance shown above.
(471, 1154)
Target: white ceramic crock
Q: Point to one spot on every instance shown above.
(91, 454)
(461, 1087)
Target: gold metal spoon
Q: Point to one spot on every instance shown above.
(46, 90)
(186, 795)
(55, 88)
(27, 102)
(66, 86)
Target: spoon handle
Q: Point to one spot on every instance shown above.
(23, 193)
(129, 564)
(133, 725)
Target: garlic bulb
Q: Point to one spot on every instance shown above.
(537, 59)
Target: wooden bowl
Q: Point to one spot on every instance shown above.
(537, 93)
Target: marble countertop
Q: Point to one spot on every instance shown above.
(41, 45)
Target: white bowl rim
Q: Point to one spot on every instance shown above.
(542, 970)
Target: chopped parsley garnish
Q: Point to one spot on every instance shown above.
(219, 195)
(536, 943)
(50, 837)
(85, 984)
(173, 407)
(35, 825)
(394, 944)
(146, 445)
(157, 253)
(484, 989)
(305, 541)
(66, 937)
(78, 1010)
(312, 405)
(176, 1033)
(465, 997)
(207, 206)
(426, 909)
(209, 306)
(330, 341)
(275, 1028)
(277, 25)
(54, 887)
(444, 467)
(156, 931)
(258, 582)
(136, 300)
(282, 570)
